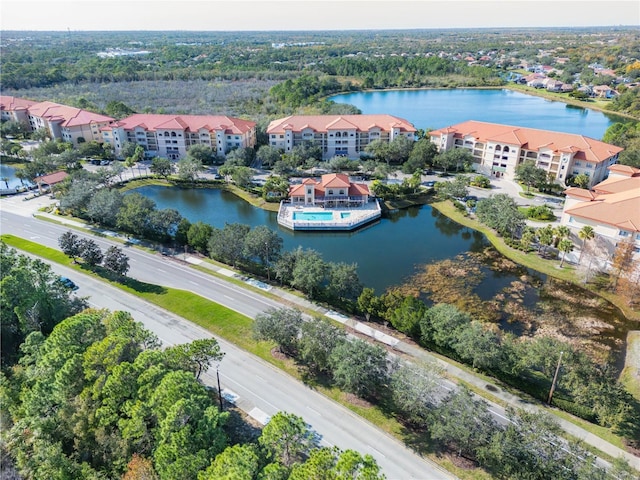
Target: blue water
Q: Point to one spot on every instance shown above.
(10, 174)
(433, 109)
(313, 216)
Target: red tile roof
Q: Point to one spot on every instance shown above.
(65, 115)
(322, 123)
(10, 104)
(330, 180)
(586, 148)
(52, 178)
(190, 123)
(616, 202)
(624, 170)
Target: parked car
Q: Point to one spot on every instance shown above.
(68, 283)
(429, 184)
(428, 171)
(470, 197)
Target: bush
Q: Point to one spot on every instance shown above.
(460, 206)
(568, 406)
(540, 212)
(480, 181)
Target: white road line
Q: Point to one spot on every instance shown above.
(498, 415)
(194, 283)
(314, 411)
(377, 451)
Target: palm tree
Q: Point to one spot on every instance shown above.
(586, 233)
(565, 246)
(561, 231)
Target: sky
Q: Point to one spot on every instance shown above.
(245, 15)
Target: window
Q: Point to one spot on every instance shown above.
(330, 192)
(273, 135)
(623, 233)
(308, 191)
(577, 164)
(589, 165)
(281, 136)
(341, 192)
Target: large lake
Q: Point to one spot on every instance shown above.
(440, 108)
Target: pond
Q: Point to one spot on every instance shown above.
(9, 173)
(440, 108)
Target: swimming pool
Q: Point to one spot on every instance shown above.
(313, 216)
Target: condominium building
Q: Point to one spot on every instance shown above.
(611, 207)
(498, 149)
(337, 135)
(64, 123)
(15, 109)
(170, 136)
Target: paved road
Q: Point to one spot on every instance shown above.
(254, 385)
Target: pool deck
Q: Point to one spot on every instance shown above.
(358, 216)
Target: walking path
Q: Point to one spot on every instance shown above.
(17, 205)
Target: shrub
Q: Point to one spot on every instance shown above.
(480, 181)
(540, 212)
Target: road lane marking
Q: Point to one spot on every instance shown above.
(314, 411)
(194, 283)
(377, 451)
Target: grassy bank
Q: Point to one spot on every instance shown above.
(548, 267)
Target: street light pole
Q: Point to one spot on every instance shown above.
(219, 389)
(555, 378)
(266, 251)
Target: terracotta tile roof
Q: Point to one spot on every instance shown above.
(52, 178)
(621, 210)
(356, 189)
(335, 180)
(624, 170)
(615, 202)
(322, 123)
(330, 180)
(189, 123)
(296, 190)
(617, 185)
(11, 104)
(65, 115)
(586, 148)
(580, 193)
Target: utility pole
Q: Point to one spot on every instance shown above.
(555, 378)
(219, 389)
